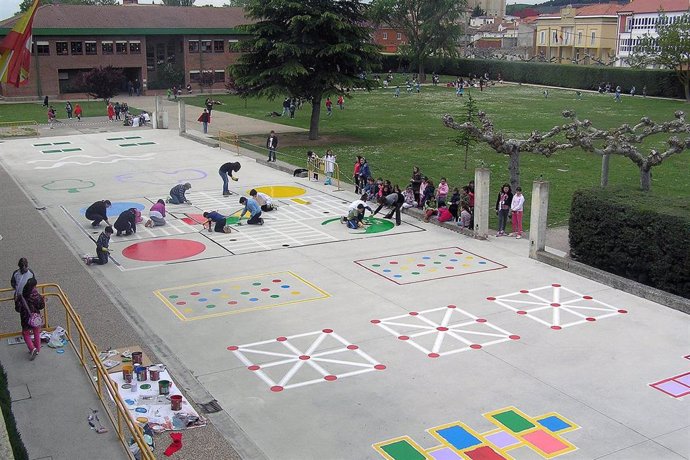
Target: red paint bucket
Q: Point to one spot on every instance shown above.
(176, 402)
(136, 357)
(127, 373)
(154, 373)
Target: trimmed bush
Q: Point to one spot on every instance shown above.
(621, 232)
(662, 83)
(18, 448)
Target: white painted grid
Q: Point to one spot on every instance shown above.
(311, 357)
(172, 227)
(537, 302)
(451, 336)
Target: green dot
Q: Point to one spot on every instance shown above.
(244, 292)
(275, 296)
(210, 306)
(442, 255)
(376, 265)
(256, 284)
(437, 263)
(415, 273)
(172, 296)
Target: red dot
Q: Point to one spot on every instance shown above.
(450, 268)
(265, 290)
(352, 347)
(452, 306)
(556, 285)
(277, 281)
(393, 262)
(232, 302)
(379, 367)
(375, 321)
(421, 265)
(591, 319)
(327, 331)
(622, 311)
(181, 303)
(514, 337)
(404, 337)
(233, 348)
(555, 304)
(481, 320)
(524, 291)
(194, 293)
(276, 388)
(556, 328)
(254, 368)
(587, 297)
(281, 339)
(475, 346)
(491, 298)
(413, 313)
(433, 355)
(304, 357)
(457, 252)
(330, 378)
(442, 329)
(521, 312)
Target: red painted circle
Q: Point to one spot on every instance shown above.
(277, 281)
(404, 337)
(457, 252)
(587, 297)
(555, 304)
(233, 348)
(591, 319)
(379, 367)
(521, 312)
(304, 357)
(433, 355)
(524, 291)
(452, 306)
(352, 347)
(281, 339)
(481, 320)
(327, 331)
(330, 378)
(442, 329)
(491, 298)
(254, 368)
(450, 268)
(514, 337)
(265, 290)
(276, 388)
(194, 293)
(375, 321)
(181, 302)
(556, 285)
(421, 265)
(622, 311)
(163, 250)
(232, 302)
(393, 262)
(556, 328)
(413, 313)
(475, 346)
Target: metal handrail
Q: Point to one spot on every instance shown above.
(86, 345)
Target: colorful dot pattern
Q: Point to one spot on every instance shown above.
(429, 265)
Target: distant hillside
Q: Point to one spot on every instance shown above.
(552, 6)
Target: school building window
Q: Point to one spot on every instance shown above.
(218, 46)
(385, 35)
(135, 47)
(121, 47)
(90, 48)
(593, 38)
(398, 36)
(193, 46)
(542, 37)
(61, 48)
(43, 48)
(76, 48)
(206, 46)
(194, 76)
(579, 38)
(106, 47)
(219, 76)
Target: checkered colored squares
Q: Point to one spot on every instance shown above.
(456, 435)
(512, 419)
(484, 453)
(547, 444)
(444, 453)
(554, 423)
(401, 448)
(673, 387)
(502, 439)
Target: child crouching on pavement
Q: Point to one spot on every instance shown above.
(102, 251)
(355, 216)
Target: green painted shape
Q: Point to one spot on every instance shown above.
(146, 143)
(42, 145)
(61, 143)
(77, 149)
(132, 137)
(210, 306)
(52, 151)
(378, 225)
(402, 450)
(231, 220)
(69, 185)
(513, 421)
(328, 221)
(115, 139)
(128, 145)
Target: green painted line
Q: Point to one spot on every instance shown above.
(42, 145)
(115, 139)
(77, 149)
(513, 421)
(402, 450)
(61, 143)
(132, 137)
(128, 145)
(146, 143)
(52, 151)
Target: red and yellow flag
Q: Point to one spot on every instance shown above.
(15, 50)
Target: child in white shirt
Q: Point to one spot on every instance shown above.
(516, 208)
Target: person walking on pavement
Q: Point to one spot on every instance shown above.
(226, 171)
(272, 145)
(29, 306)
(77, 111)
(68, 109)
(205, 118)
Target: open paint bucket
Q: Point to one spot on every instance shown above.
(154, 373)
(163, 387)
(142, 373)
(127, 373)
(176, 402)
(136, 357)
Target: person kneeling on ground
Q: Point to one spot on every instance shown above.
(395, 200)
(219, 221)
(102, 251)
(363, 201)
(254, 210)
(265, 201)
(354, 217)
(98, 212)
(177, 194)
(156, 215)
(126, 222)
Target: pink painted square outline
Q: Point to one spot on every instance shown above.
(655, 386)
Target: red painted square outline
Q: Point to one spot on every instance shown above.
(687, 392)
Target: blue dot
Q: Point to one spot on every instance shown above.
(216, 289)
(285, 286)
(482, 262)
(387, 270)
(253, 299)
(426, 257)
(130, 401)
(203, 299)
(397, 276)
(453, 260)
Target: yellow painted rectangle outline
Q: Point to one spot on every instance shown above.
(573, 426)
(442, 440)
(182, 317)
(378, 445)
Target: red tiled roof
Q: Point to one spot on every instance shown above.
(133, 16)
(652, 6)
(606, 9)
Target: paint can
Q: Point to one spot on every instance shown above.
(163, 387)
(137, 357)
(142, 373)
(154, 373)
(127, 373)
(176, 402)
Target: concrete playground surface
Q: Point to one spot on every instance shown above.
(406, 342)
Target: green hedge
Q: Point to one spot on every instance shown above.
(662, 83)
(620, 231)
(18, 448)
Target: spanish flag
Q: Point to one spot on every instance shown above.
(15, 50)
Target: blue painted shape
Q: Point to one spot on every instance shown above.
(553, 423)
(253, 299)
(141, 410)
(216, 290)
(117, 207)
(482, 263)
(130, 401)
(202, 299)
(397, 276)
(458, 437)
(386, 270)
(426, 257)
(285, 286)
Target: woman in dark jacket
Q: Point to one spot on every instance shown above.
(416, 181)
(31, 301)
(126, 222)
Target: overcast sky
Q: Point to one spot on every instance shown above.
(9, 7)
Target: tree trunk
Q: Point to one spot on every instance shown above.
(315, 114)
(467, 149)
(645, 179)
(514, 168)
(420, 71)
(604, 171)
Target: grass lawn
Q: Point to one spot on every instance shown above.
(36, 112)
(394, 134)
